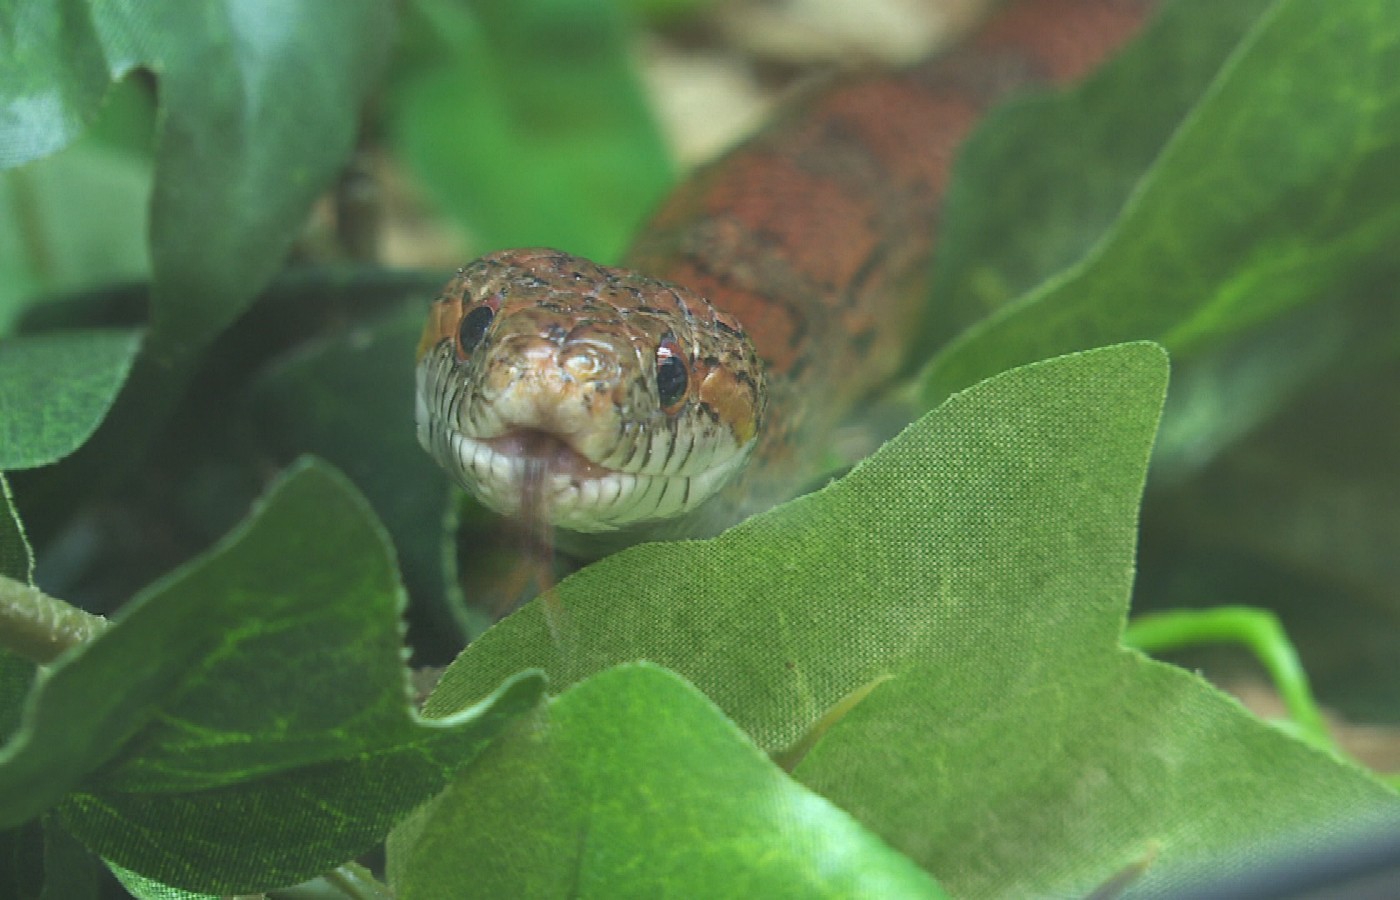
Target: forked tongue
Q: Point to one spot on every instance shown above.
(539, 535)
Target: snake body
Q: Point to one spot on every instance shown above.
(782, 283)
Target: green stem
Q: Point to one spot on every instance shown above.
(39, 627)
(1260, 631)
(1257, 629)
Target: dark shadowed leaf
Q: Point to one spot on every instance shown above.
(350, 400)
(1013, 219)
(263, 681)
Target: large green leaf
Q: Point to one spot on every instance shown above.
(636, 786)
(55, 389)
(260, 106)
(259, 100)
(1281, 187)
(245, 723)
(540, 86)
(982, 563)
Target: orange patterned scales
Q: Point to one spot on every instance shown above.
(781, 283)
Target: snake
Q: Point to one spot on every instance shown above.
(763, 303)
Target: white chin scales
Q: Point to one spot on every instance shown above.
(585, 503)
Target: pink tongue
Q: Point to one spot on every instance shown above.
(534, 502)
(545, 455)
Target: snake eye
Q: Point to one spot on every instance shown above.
(671, 375)
(473, 328)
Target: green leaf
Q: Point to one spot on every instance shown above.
(55, 389)
(1230, 391)
(319, 401)
(260, 101)
(1279, 189)
(776, 604)
(245, 722)
(982, 562)
(144, 888)
(260, 105)
(1142, 751)
(608, 796)
(539, 86)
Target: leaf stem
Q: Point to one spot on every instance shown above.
(39, 627)
(1258, 630)
(789, 758)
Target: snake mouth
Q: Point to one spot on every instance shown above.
(545, 454)
(526, 467)
(537, 474)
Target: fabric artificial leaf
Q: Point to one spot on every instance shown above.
(632, 784)
(973, 576)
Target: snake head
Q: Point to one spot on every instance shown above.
(597, 396)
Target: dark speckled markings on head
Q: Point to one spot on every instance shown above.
(807, 247)
(633, 399)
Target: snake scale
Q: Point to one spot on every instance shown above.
(768, 296)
